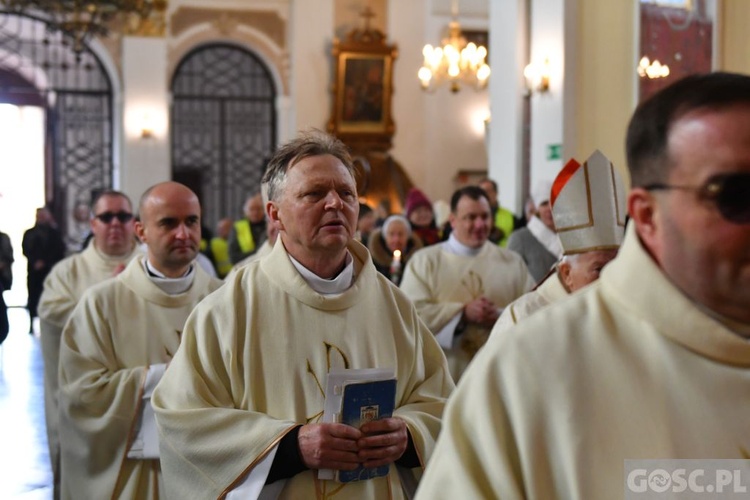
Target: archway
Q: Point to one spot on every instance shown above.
(223, 126)
(76, 94)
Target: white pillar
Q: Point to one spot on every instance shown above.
(146, 160)
(547, 43)
(507, 60)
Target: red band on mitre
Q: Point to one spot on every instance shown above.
(562, 178)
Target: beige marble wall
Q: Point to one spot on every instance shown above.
(604, 79)
(734, 46)
(294, 39)
(604, 88)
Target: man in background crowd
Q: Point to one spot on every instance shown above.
(504, 221)
(461, 285)
(538, 243)
(219, 248)
(249, 233)
(43, 247)
(113, 245)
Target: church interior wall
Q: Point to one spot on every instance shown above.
(410, 106)
(592, 46)
(603, 39)
(605, 78)
(733, 52)
(435, 133)
(444, 132)
(547, 42)
(508, 56)
(311, 35)
(145, 102)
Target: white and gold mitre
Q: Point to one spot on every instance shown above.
(588, 205)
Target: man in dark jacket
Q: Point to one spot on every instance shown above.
(43, 246)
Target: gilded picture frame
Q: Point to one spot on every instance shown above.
(362, 91)
(364, 94)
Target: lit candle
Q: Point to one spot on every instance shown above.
(396, 267)
(397, 256)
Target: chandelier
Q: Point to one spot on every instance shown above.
(81, 19)
(456, 61)
(652, 70)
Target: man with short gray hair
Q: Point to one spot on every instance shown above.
(250, 374)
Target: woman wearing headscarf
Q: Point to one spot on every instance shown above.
(395, 236)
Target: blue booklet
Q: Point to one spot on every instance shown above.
(363, 402)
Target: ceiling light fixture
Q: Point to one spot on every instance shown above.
(455, 62)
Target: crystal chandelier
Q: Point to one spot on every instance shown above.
(82, 19)
(456, 61)
(652, 70)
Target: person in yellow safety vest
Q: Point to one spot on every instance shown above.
(219, 246)
(505, 221)
(248, 234)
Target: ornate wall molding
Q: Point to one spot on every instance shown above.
(263, 32)
(225, 21)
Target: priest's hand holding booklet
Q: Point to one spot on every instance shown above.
(364, 400)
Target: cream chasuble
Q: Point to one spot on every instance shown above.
(253, 365)
(551, 290)
(264, 250)
(440, 283)
(119, 329)
(628, 368)
(63, 288)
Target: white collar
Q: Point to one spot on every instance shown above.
(337, 285)
(170, 286)
(452, 245)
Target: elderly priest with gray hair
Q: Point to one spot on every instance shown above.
(240, 409)
(588, 206)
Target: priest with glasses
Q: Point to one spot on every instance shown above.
(111, 247)
(650, 362)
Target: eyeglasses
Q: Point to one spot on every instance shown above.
(730, 193)
(107, 217)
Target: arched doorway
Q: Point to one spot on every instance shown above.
(223, 126)
(76, 93)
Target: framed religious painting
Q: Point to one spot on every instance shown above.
(362, 89)
(677, 38)
(364, 92)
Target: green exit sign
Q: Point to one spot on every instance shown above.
(554, 151)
